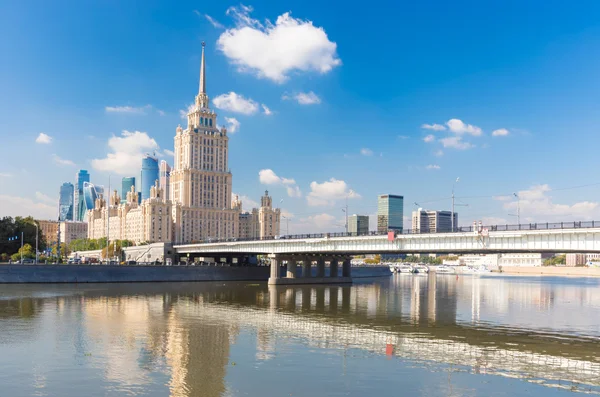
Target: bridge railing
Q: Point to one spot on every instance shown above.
(460, 229)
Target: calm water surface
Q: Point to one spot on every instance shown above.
(400, 335)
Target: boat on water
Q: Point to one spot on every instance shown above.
(392, 267)
(404, 268)
(420, 269)
(478, 269)
(443, 269)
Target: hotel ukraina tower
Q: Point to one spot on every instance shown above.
(200, 196)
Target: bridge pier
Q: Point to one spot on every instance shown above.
(306, 277)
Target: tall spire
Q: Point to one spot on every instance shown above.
(202, 74)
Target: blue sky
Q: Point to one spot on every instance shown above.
(349, 89)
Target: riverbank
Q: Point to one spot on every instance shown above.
(552, 271)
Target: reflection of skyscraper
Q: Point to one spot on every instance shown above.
(149, 175)
(91, 193)
(126, 185)
(65, 202)
(78, 200)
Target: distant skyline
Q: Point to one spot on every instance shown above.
(504, 96)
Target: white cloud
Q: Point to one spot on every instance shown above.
(169, 152)
(434, 127)
(233, 125)
(429, 138)
(403, 137)
(304, 98)
(236, 103)
(328, 192)
(23, 206)
(61, 161)
(433, 167)
(459, 127)
(500, 132)
(266, 110)
(269, 177)
(6, 175)
(438, 153)
(456, 142)
(45, 198)
(503, 198)
(213, 22)
(127, 153)
(128, 109)
(318, 223)
(366, 152)
(43, 138)
(160, 112)
(247, 202)
(273, 51)
(184, 112)
(537, 206)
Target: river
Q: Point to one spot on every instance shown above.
(409, 335)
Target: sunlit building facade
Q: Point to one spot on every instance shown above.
(79, 207)
(390, 213)
(65, 202)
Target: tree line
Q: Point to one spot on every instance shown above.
(13, 227)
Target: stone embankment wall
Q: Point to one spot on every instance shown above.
(127, 274)
(552, 271)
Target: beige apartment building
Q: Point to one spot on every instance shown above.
(49, 230)
(260, 222)
(70, 231)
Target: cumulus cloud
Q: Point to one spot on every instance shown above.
(459, 127)
(126, 153)
(169, 152)
(266, 110)
(438, 153)
(366, 152)
(233, 125)
(304, 98)
(236, 103)
(43, 138)
(45, 198)
(24, 206)
(328, 192)
(273, 51)
(269, 177)
(61, 161)
(500, 132)
(247, 202)
(536, 205)
(434, 127)
(429, 138)
(456, 142)
(433, 167)
(127, 109)
(318, 223)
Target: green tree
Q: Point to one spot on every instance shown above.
(28, 253)
(556, 260)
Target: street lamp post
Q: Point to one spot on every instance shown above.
(452, 215)
(518, 208)
(287, 224)
(36, 242)
(350, 193)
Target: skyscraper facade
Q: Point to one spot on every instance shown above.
(200, 179)
(126, 184)
(65, 202)
(390, 213)
(149, 175)
(165, 178)
(79, 207)
(358, 224)
(424, 221)
(90, 193)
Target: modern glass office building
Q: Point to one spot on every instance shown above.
(90, 194)
(126, 185)
(78, 200)
(390, 213)
(358, 224)
(65, 202)
(149, 175)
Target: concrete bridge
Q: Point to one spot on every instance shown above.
(576, 237)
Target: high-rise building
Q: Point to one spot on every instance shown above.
(65, 202)
(149, 175)
(90, 193)
(78, 200)
(200, 178)
(260, 222)
(390, 213)
(49, 230)
(165, 178)
(424, 221)
(358, 224)
(126, 184)
(70, 231)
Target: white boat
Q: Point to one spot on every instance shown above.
(392, 267)
(420, 269)
(404, 268)
(443, 269)
(477, 269)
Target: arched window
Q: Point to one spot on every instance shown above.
(210, 122)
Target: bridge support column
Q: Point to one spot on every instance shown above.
(320, 267)
(333, 268)
(306, 292)
(275, 272)
(306, 267)
(346, 268)
(291, 268)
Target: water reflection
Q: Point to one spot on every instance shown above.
(177, 339)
